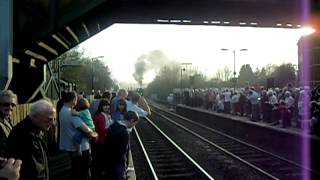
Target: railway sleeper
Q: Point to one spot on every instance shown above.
(156, 149)
(172, 165)
(163, 156)
(258, 160)
(155, 153)
(177, 176)
(249, 156)
(174, 170)
(163, 160)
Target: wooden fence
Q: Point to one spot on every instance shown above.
(19, 113)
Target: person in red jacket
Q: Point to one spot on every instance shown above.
(284, 114)
(102, 121)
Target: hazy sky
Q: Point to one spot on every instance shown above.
(122, 44)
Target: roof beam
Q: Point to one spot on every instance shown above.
(86, 29)
(48, 48)
(75, 37)
(60, 41)
(15, 60)
(35, 55)
(98, 25)
(65, 39)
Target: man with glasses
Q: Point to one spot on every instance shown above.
(25, 141)
(8, 101)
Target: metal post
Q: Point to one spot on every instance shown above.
(234, 71)
(92, 73)
(181, 84)
(182, 69)
(234, 65)
(181, 78)
(6, 15)
(59, 78)
(92, 88)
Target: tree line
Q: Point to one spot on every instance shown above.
(169, 78)
(81, 69)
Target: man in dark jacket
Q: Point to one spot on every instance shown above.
(117, 142)
(8, 101)
(25, 141)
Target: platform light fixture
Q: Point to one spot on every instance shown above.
(234, 64)
(92, 75)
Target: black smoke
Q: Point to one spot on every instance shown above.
(153, 60)
(140, 69)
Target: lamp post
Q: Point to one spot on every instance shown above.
(182, 69)
(234, 64)
(92, 75)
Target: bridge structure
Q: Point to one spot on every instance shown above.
(35, 32)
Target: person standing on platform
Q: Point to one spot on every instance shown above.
(69, 126)
(95, 103)
(227, 101)
(253, 98)
(120, 110)
(8, 101)
(25, 141)
(139, 105)
(122, 94)
(117, 143)
(102, 121)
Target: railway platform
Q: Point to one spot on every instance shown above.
(60, 167)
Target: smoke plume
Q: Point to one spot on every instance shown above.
(153, 60)
(140, 69)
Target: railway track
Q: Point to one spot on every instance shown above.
(271, 165)
(166, 159)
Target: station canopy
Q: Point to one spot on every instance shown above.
(45, 29)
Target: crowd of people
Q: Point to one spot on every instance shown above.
(276, 106)
(94, 134)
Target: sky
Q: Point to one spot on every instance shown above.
(122, 44)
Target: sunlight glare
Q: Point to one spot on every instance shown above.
(307, 31)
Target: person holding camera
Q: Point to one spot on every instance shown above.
(139, 105)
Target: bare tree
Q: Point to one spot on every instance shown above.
(219, 75)
(227, 74)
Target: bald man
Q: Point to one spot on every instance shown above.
(25, 141)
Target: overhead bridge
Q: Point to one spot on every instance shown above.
(35, 32)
